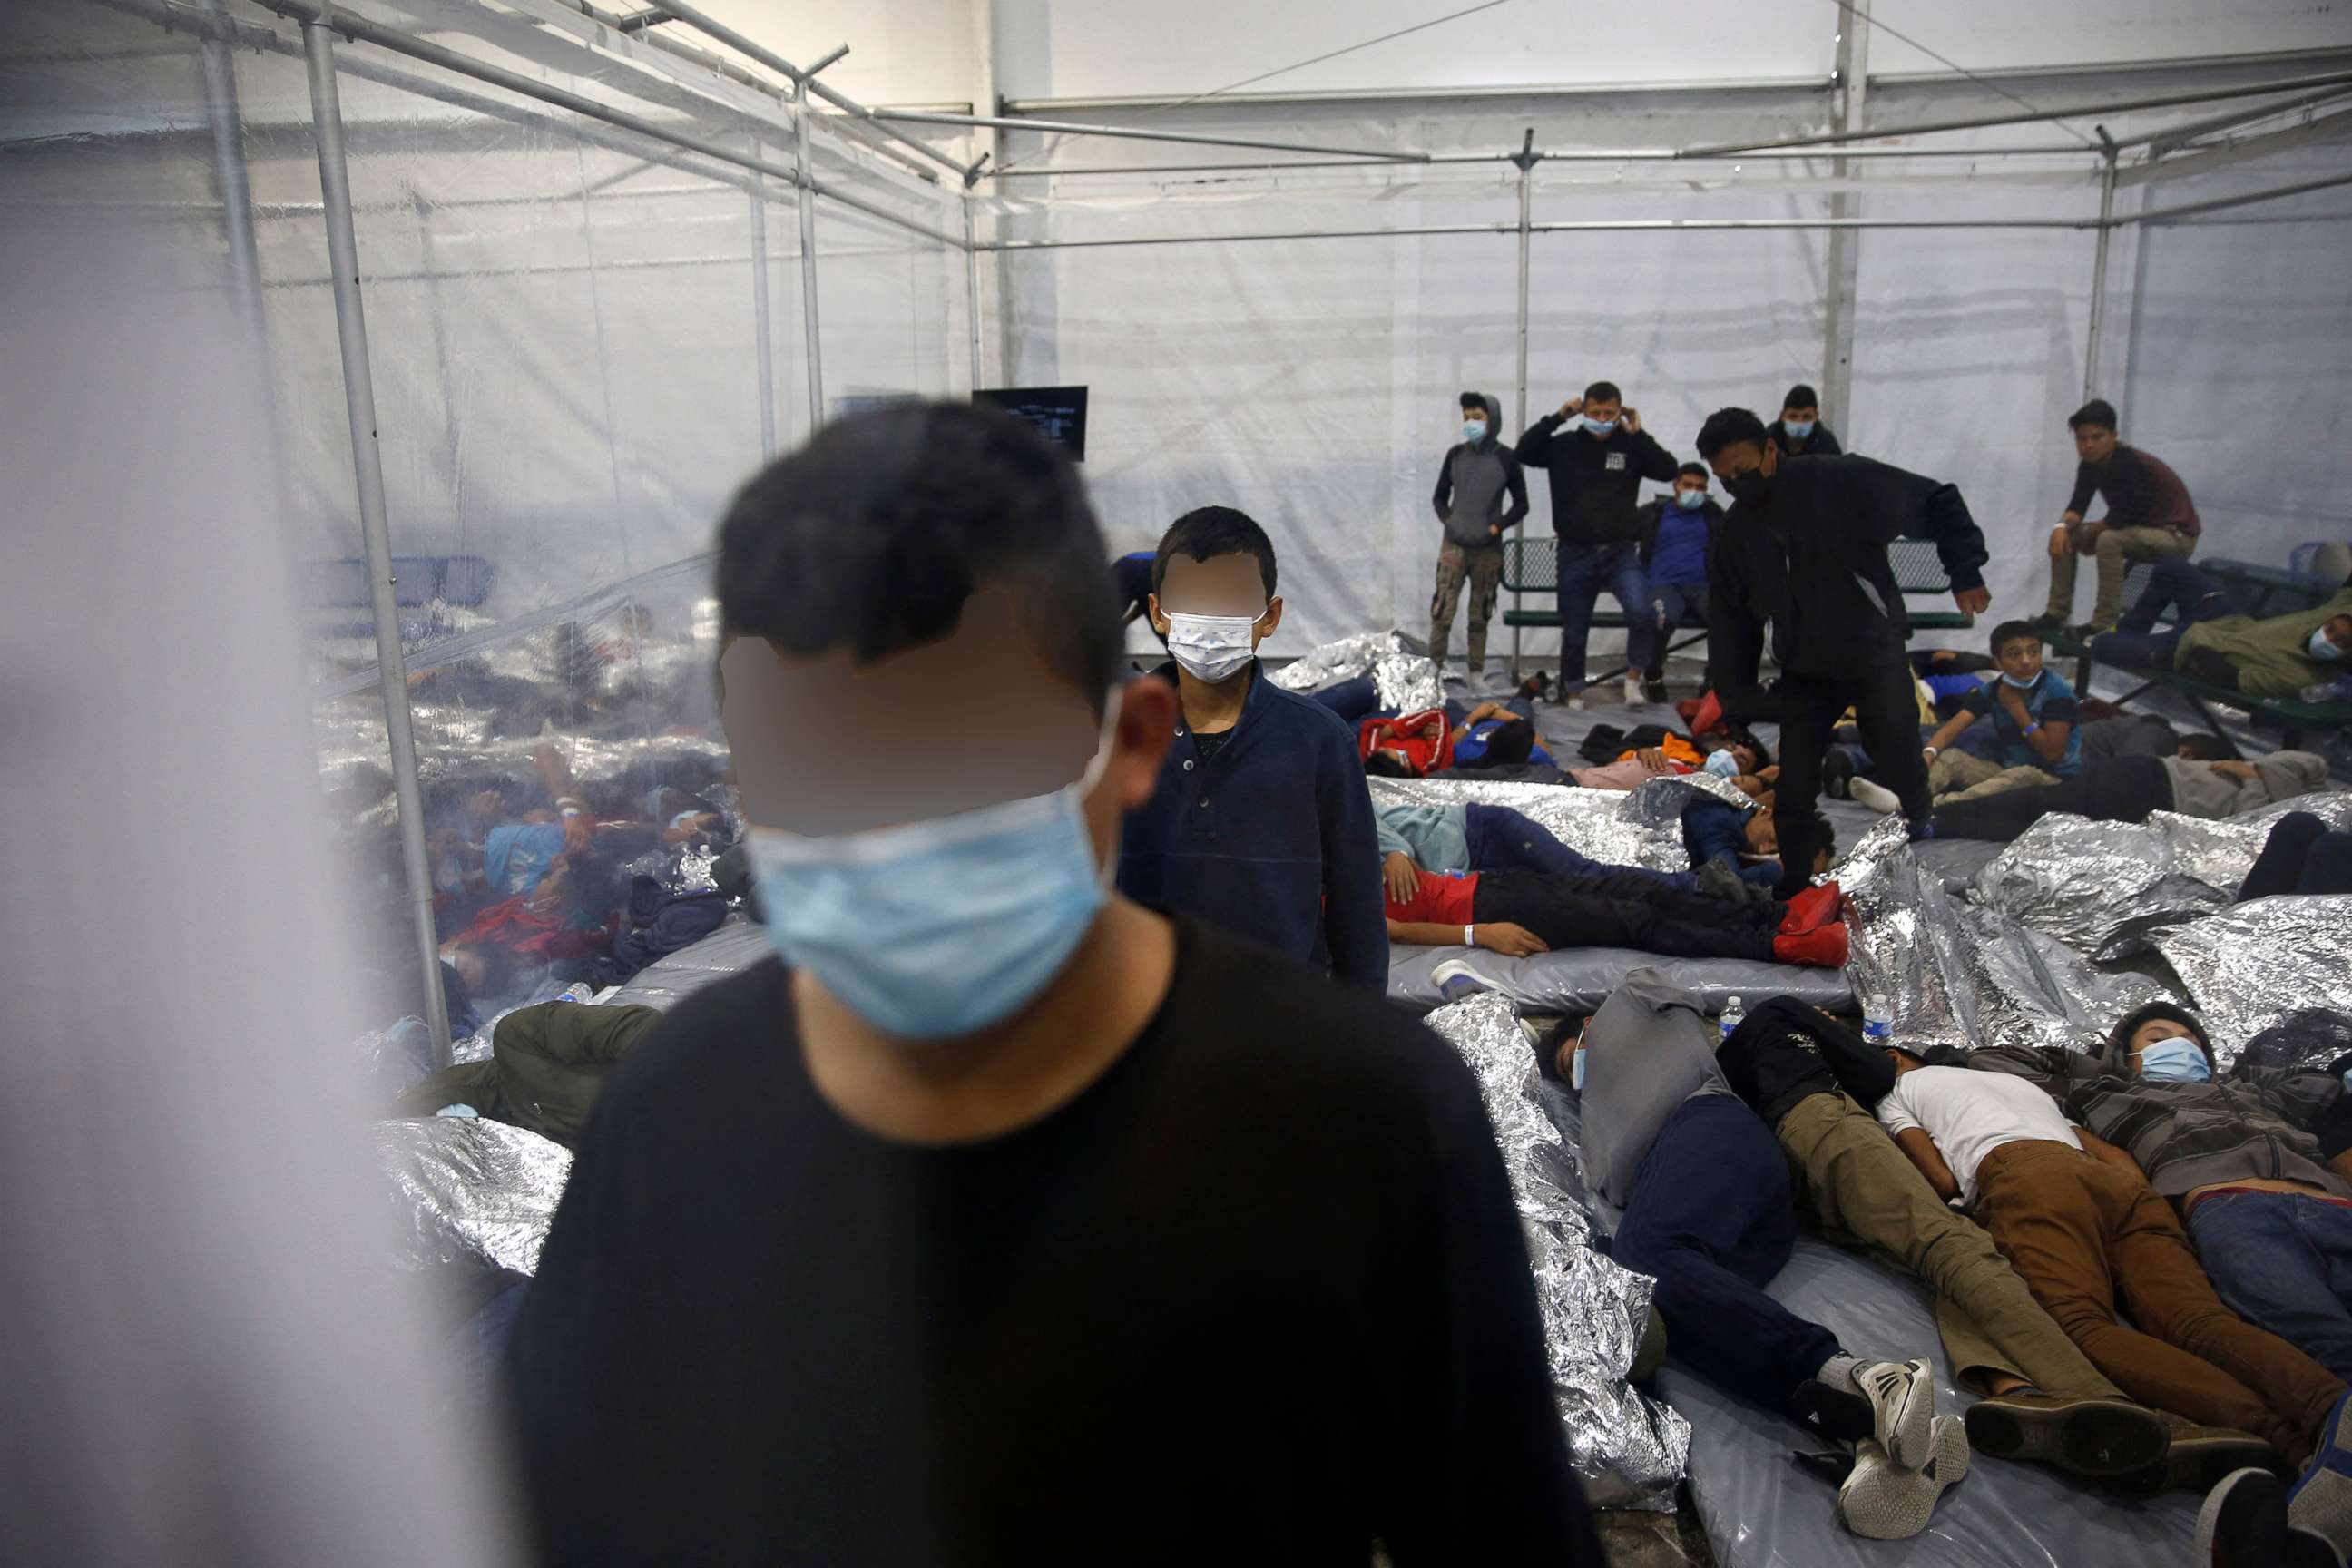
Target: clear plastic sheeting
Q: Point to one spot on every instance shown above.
(2259, 963)
(1629, 1450)
(469, 1190)
(2091, 883)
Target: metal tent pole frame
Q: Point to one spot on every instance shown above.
(375, 531)
(762, 327)
(1138, 134)
(1571, 226)
(1841, 269)
(814, 348)
(971, 294)
(2099, 270)
(1526, 160)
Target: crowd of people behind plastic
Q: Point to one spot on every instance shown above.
(2046, 1196)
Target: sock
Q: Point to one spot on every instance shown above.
(1838, 1372)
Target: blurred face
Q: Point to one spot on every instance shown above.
(2020, 657)
(1224, 585)
(1690, 485)
(1610, 409)
(2093, 443)
(1763, 838)
(1800, 414)
(2339, 632)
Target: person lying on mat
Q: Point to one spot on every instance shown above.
(1419, 744)
(2079, 1221)
(1813, 1081)
(1518, 913)
(2257, 1160)
(2302, 856)
(1749, 841)
(2199, 780)
(1705, 1192)
(1475, 837)
(2210, 640)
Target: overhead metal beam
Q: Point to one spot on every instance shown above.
(1562, 155)
(2161, 142)
(351, 26)
(2031, 117)
(2219, 203)
(1570, 226)
(2245, 148)
(1140, 133)
(703, 22)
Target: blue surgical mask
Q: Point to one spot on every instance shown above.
(1576, 1071)
(2321, 648)
(1599, 427)
(933, 930)
(1798, 430)
(1690, 501)
(2175, 1061)
(1723, 765)
(1473, 431)
(2025, 685)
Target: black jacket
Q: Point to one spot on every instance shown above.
(1786, 1050)
(1811, 561)
(1654, 512)
(1822, 443)
(1596, 485)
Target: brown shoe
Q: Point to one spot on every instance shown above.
(2083, 1436)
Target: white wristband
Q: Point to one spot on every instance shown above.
(1469, 936)
(1933, 753)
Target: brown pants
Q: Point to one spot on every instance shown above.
(1861, 1187)
(1481, 567)
(1961, 775)
(2085, 1236)
(2116, 549)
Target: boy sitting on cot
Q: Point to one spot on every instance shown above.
(1261, 822)
(2036, 726)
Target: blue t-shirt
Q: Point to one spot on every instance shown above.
(1471, 747)
(1680, 554)
(2049, 701)
(517, 855)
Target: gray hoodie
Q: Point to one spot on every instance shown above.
(1472, 482)
(1651, 1049)
(2199, 791)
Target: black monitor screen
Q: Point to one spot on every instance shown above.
(1059, 413)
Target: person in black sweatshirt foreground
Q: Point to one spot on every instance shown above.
(1000, 1219)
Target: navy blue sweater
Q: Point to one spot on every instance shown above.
(1272, 839)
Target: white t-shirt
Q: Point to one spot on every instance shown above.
(1970, 1113)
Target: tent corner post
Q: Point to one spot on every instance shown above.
(972, 295)
(763, 333)
(375, 532)
(813, 347)
(1842, 268)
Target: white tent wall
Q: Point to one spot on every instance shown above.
(2240, 333)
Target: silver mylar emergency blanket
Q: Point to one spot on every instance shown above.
(1404, 680)
(470, 1189)
(2251, 966)
(1641, 826)
(2100, 885)
(1629, 1450)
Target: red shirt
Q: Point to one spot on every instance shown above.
(1424, 738)
(1443, 899)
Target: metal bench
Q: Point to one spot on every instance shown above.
(1531, 565)
(2259, 591)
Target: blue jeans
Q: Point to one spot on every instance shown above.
(1350, 700)
(1711, 1221)
(2283, 1262)
(2301, 856)
(1584, 570)
(1668, 601)
(2172, 583)
(1502, 839)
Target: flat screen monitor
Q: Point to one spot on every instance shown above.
(1058, 412)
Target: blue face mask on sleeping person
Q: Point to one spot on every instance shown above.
(938, 929)
(1722, 763)
(2175, 1060)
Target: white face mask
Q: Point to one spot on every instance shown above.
(2321, 648)
(1212, 647)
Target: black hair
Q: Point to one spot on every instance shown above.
(1388, 765)
(1827, 832)
(2010, 631)
(1473, 400)
(1603, 392)
(1801, 396)
(2119, 1037)
(2204, 747)
(874, 535)
(1508, 744)
(1699, 469)
(1728, 427)
(1207, 533)
(1749, 738)
(2098, 412)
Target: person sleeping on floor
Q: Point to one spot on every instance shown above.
(1518, 913)
(1732, 854)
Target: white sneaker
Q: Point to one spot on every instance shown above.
(1902, 1395)
(1456, 980)
(1877, 796)
(1633, 698)
(1886, 1502)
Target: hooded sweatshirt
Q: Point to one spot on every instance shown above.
(2251, 1121)
(2272, 657)
(2199, 789)
(1649, 1049)
(1474, 482)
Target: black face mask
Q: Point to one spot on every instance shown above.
(1750, 488)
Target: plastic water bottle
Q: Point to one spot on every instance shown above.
(1877, 1022)
(1733, 1017)
(2337, 690)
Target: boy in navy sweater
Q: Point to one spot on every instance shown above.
(1261, 822)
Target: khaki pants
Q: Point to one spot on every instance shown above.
(1861, 1188)
(2116, 548)
(1480, 566)
(2088, 1238)
(1963, 775)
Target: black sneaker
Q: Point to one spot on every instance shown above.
(2046, 622)
(2244, 1524)
(1653, 690)
(2086, 631)
(1837, 773)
